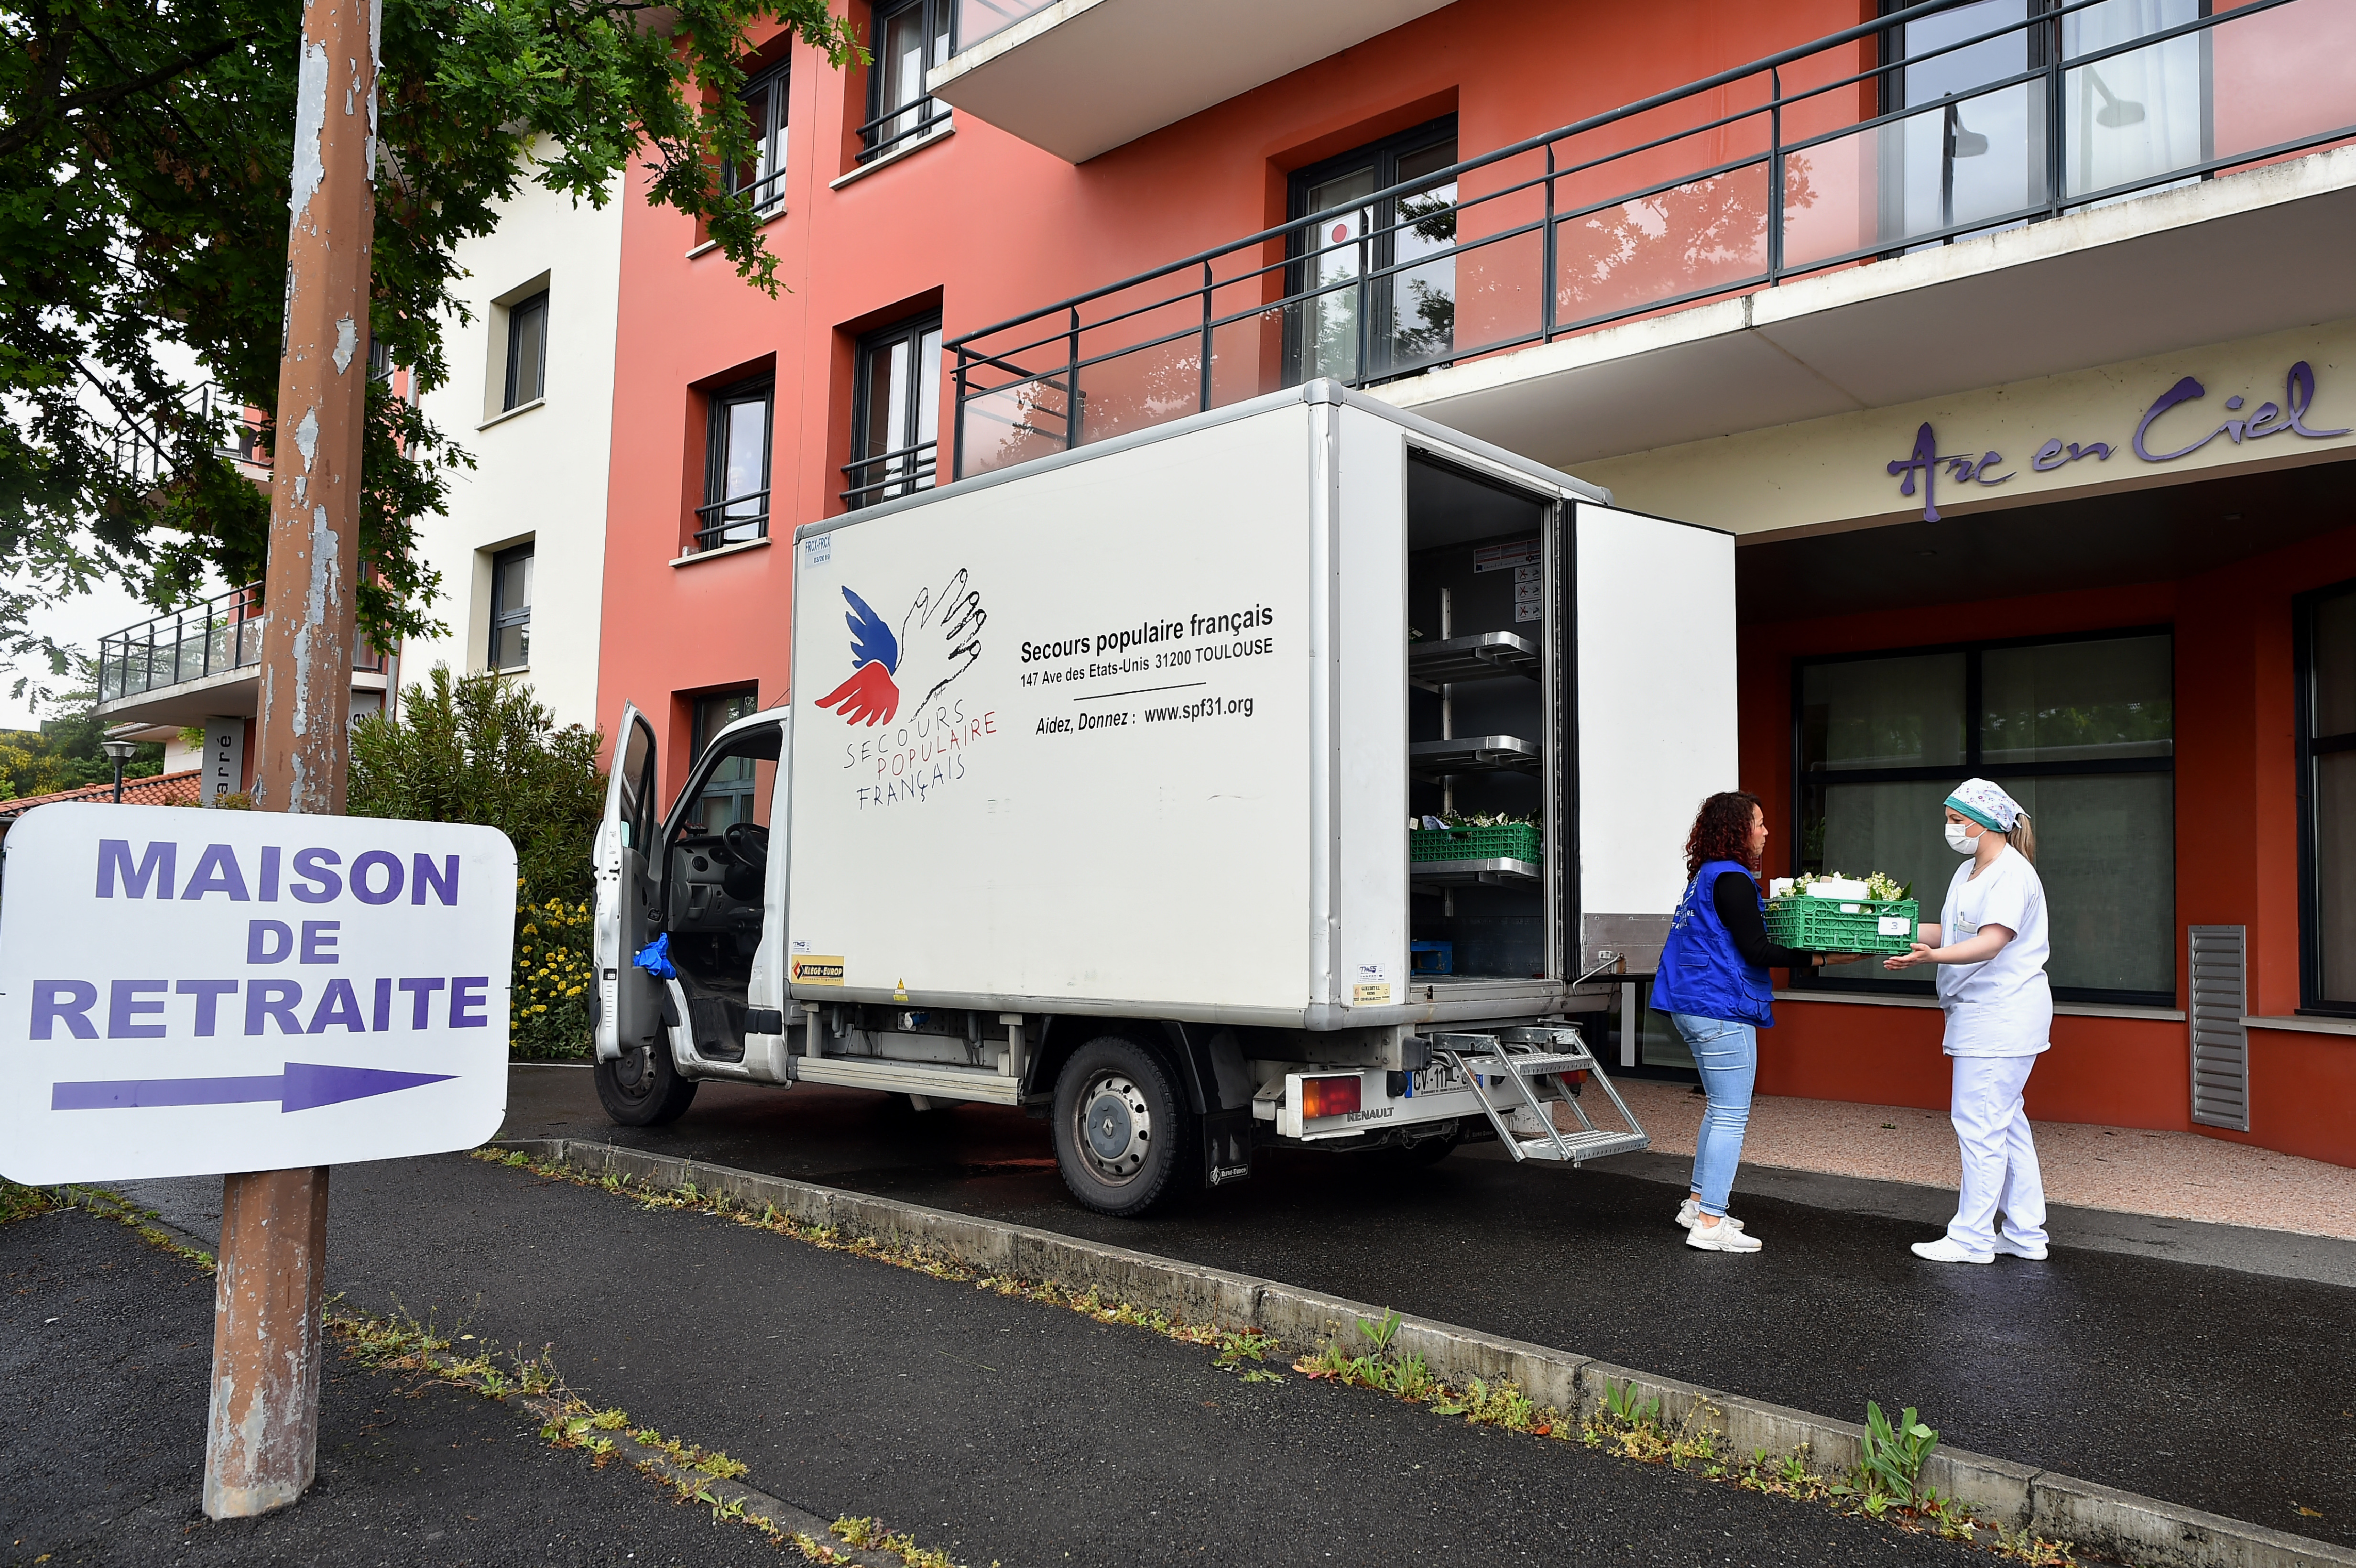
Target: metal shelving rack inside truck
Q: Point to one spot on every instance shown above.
(1095, 789)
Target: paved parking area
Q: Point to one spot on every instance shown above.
(2214, 1386)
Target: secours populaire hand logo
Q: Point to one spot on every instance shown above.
(939, 638)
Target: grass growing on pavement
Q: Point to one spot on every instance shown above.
(1243, 1351)
(18, 1202)
(1624, 1424)
(694, 1474)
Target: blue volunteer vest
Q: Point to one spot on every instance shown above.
(1702, 974)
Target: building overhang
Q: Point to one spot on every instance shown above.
(231, 694)
(2209, 261)
(1082, 77)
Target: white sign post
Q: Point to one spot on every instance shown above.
(189, 993)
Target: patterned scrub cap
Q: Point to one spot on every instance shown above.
(1987, 804)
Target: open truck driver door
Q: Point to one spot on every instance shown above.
(681, 908)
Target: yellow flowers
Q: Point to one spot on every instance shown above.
(548, 1018)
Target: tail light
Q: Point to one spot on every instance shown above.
(1328, 1096)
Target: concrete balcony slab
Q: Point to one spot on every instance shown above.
(1082, 77)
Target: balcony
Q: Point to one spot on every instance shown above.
(188, 666)
(1081, 77)
(1891, 212)
(146, 452)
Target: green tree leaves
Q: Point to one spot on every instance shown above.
(145, 156)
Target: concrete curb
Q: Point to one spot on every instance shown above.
(2138, 1529)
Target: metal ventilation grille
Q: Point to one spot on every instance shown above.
(2221, 1046)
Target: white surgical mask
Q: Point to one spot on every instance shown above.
(1960, 841)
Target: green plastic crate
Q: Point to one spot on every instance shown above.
(1513, 841)
(1843, 926)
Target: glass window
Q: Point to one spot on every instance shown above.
(512, 608)
(2060, 700)
(2001, 133)
(764, 176)
(895, 424)
(527, 351)
(727, 795)
(735, 507)
(2079, 730)
(1975, 152)
(1884, 712)
(909, 39)
(2326, 639)
(2137, 114)
(1403, 248)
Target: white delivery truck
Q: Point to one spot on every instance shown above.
(1095, 789)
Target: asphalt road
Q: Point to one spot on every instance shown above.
(105, 1354)
(1002, 1431)
(2225, 1390)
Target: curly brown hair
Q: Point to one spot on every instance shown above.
(1721, 831)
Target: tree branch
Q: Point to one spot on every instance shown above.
(28, 130)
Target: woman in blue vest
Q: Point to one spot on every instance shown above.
(1713, 984)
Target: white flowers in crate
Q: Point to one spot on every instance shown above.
(1833, 885)
(1474, 819)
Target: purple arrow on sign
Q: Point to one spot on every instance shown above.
(304, 1085)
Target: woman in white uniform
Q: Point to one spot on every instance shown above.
(1991, 949)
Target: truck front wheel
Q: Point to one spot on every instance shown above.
(644, 1089)
(1121, 1137)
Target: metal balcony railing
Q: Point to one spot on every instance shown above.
(222, 633)
(740, 519)
(219, 634)
(1913, 130)
(888, 475)
(145, 451)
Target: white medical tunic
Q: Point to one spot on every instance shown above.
(2001, 1005)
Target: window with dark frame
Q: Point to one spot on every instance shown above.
(735, 507)
(2324, 624)
(895, 413)
(2007, 126)
(2080, 730)
(1390, 262)
(527, 380)
(907, 39)
(512, 608)
(764, 176)
(727, 795)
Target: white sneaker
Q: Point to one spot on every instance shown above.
(2012, 1249)
(1686, 1213)
(1948, 1251)
(1726, 1236)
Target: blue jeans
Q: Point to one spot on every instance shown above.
(1728, 1055)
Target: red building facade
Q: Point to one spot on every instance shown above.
(1734, 306)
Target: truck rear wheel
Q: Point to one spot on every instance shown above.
(1121, 1133)
(645, 1088)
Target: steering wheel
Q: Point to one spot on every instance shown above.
(748, 843)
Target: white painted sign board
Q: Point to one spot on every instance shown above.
(187, 993)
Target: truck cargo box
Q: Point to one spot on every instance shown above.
(1141, 731)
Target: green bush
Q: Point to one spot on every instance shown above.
(479, 748)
